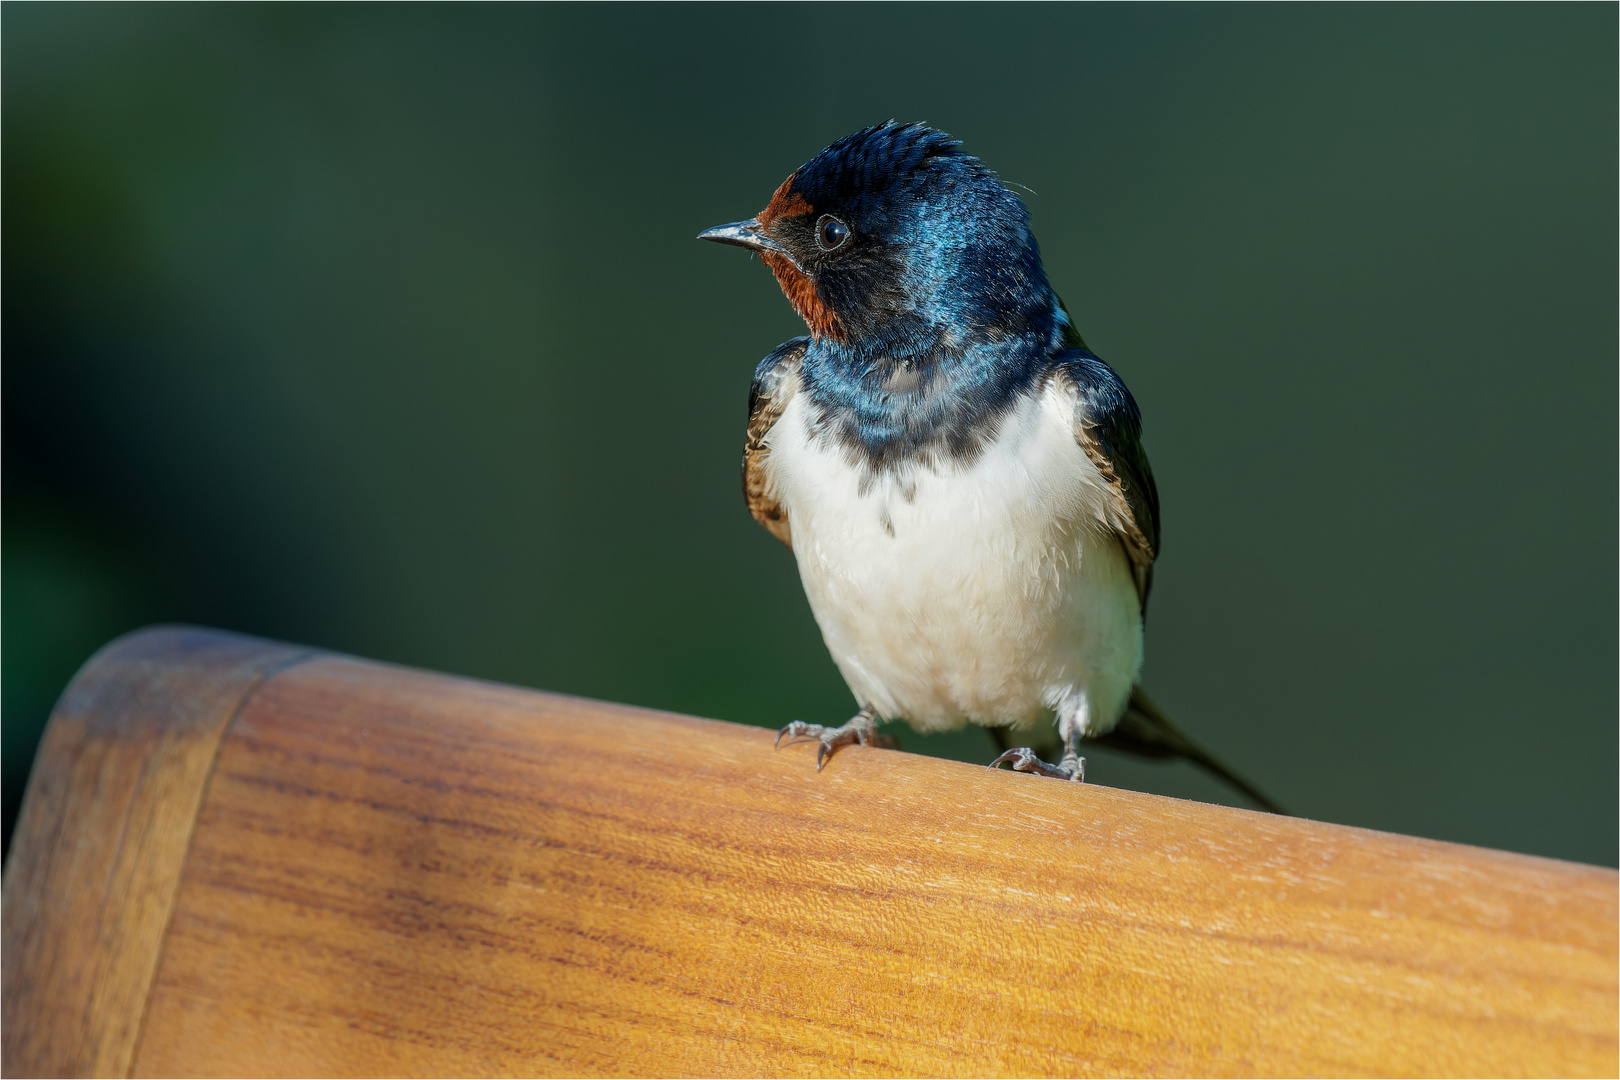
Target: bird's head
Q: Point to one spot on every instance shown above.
(893, 235)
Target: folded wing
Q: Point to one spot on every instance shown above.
(775, 381)
(1108, 428)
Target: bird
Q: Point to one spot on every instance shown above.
(961, 480)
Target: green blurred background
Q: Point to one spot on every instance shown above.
(384, 329)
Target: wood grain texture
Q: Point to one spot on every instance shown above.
(101, 840)
(407, 874)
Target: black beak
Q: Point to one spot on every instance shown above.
(747, 234)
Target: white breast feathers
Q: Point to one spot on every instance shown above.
(986, 592)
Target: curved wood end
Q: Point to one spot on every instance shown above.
(102, 838)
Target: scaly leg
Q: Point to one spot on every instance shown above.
(1072, 717)
(862, 728)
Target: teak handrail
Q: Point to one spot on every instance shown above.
(239, 857)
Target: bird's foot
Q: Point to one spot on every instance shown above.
(1023, 759)
(862, 728)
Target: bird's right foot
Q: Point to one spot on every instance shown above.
(1023, 759)
(862, 728)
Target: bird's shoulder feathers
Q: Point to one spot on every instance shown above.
(775, 382)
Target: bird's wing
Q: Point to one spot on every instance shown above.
(1108, 428)
(775, 381)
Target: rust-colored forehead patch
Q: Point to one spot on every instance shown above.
(784, 204)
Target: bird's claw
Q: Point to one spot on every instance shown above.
(862, 729)
(798, 729)
(1023, 759)
(823, 752)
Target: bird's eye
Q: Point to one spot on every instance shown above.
(830, 232)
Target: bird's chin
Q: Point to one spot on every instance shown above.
(800, 290)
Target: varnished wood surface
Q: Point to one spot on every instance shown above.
(400, 873)
(101, 840)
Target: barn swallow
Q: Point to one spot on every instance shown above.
(961, 480)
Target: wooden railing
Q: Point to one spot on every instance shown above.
(238, 857)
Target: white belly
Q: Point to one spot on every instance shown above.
(989, 593)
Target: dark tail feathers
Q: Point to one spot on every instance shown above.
(1146, 731)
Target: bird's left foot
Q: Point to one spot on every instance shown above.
(1023, 759)
(862, 728)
